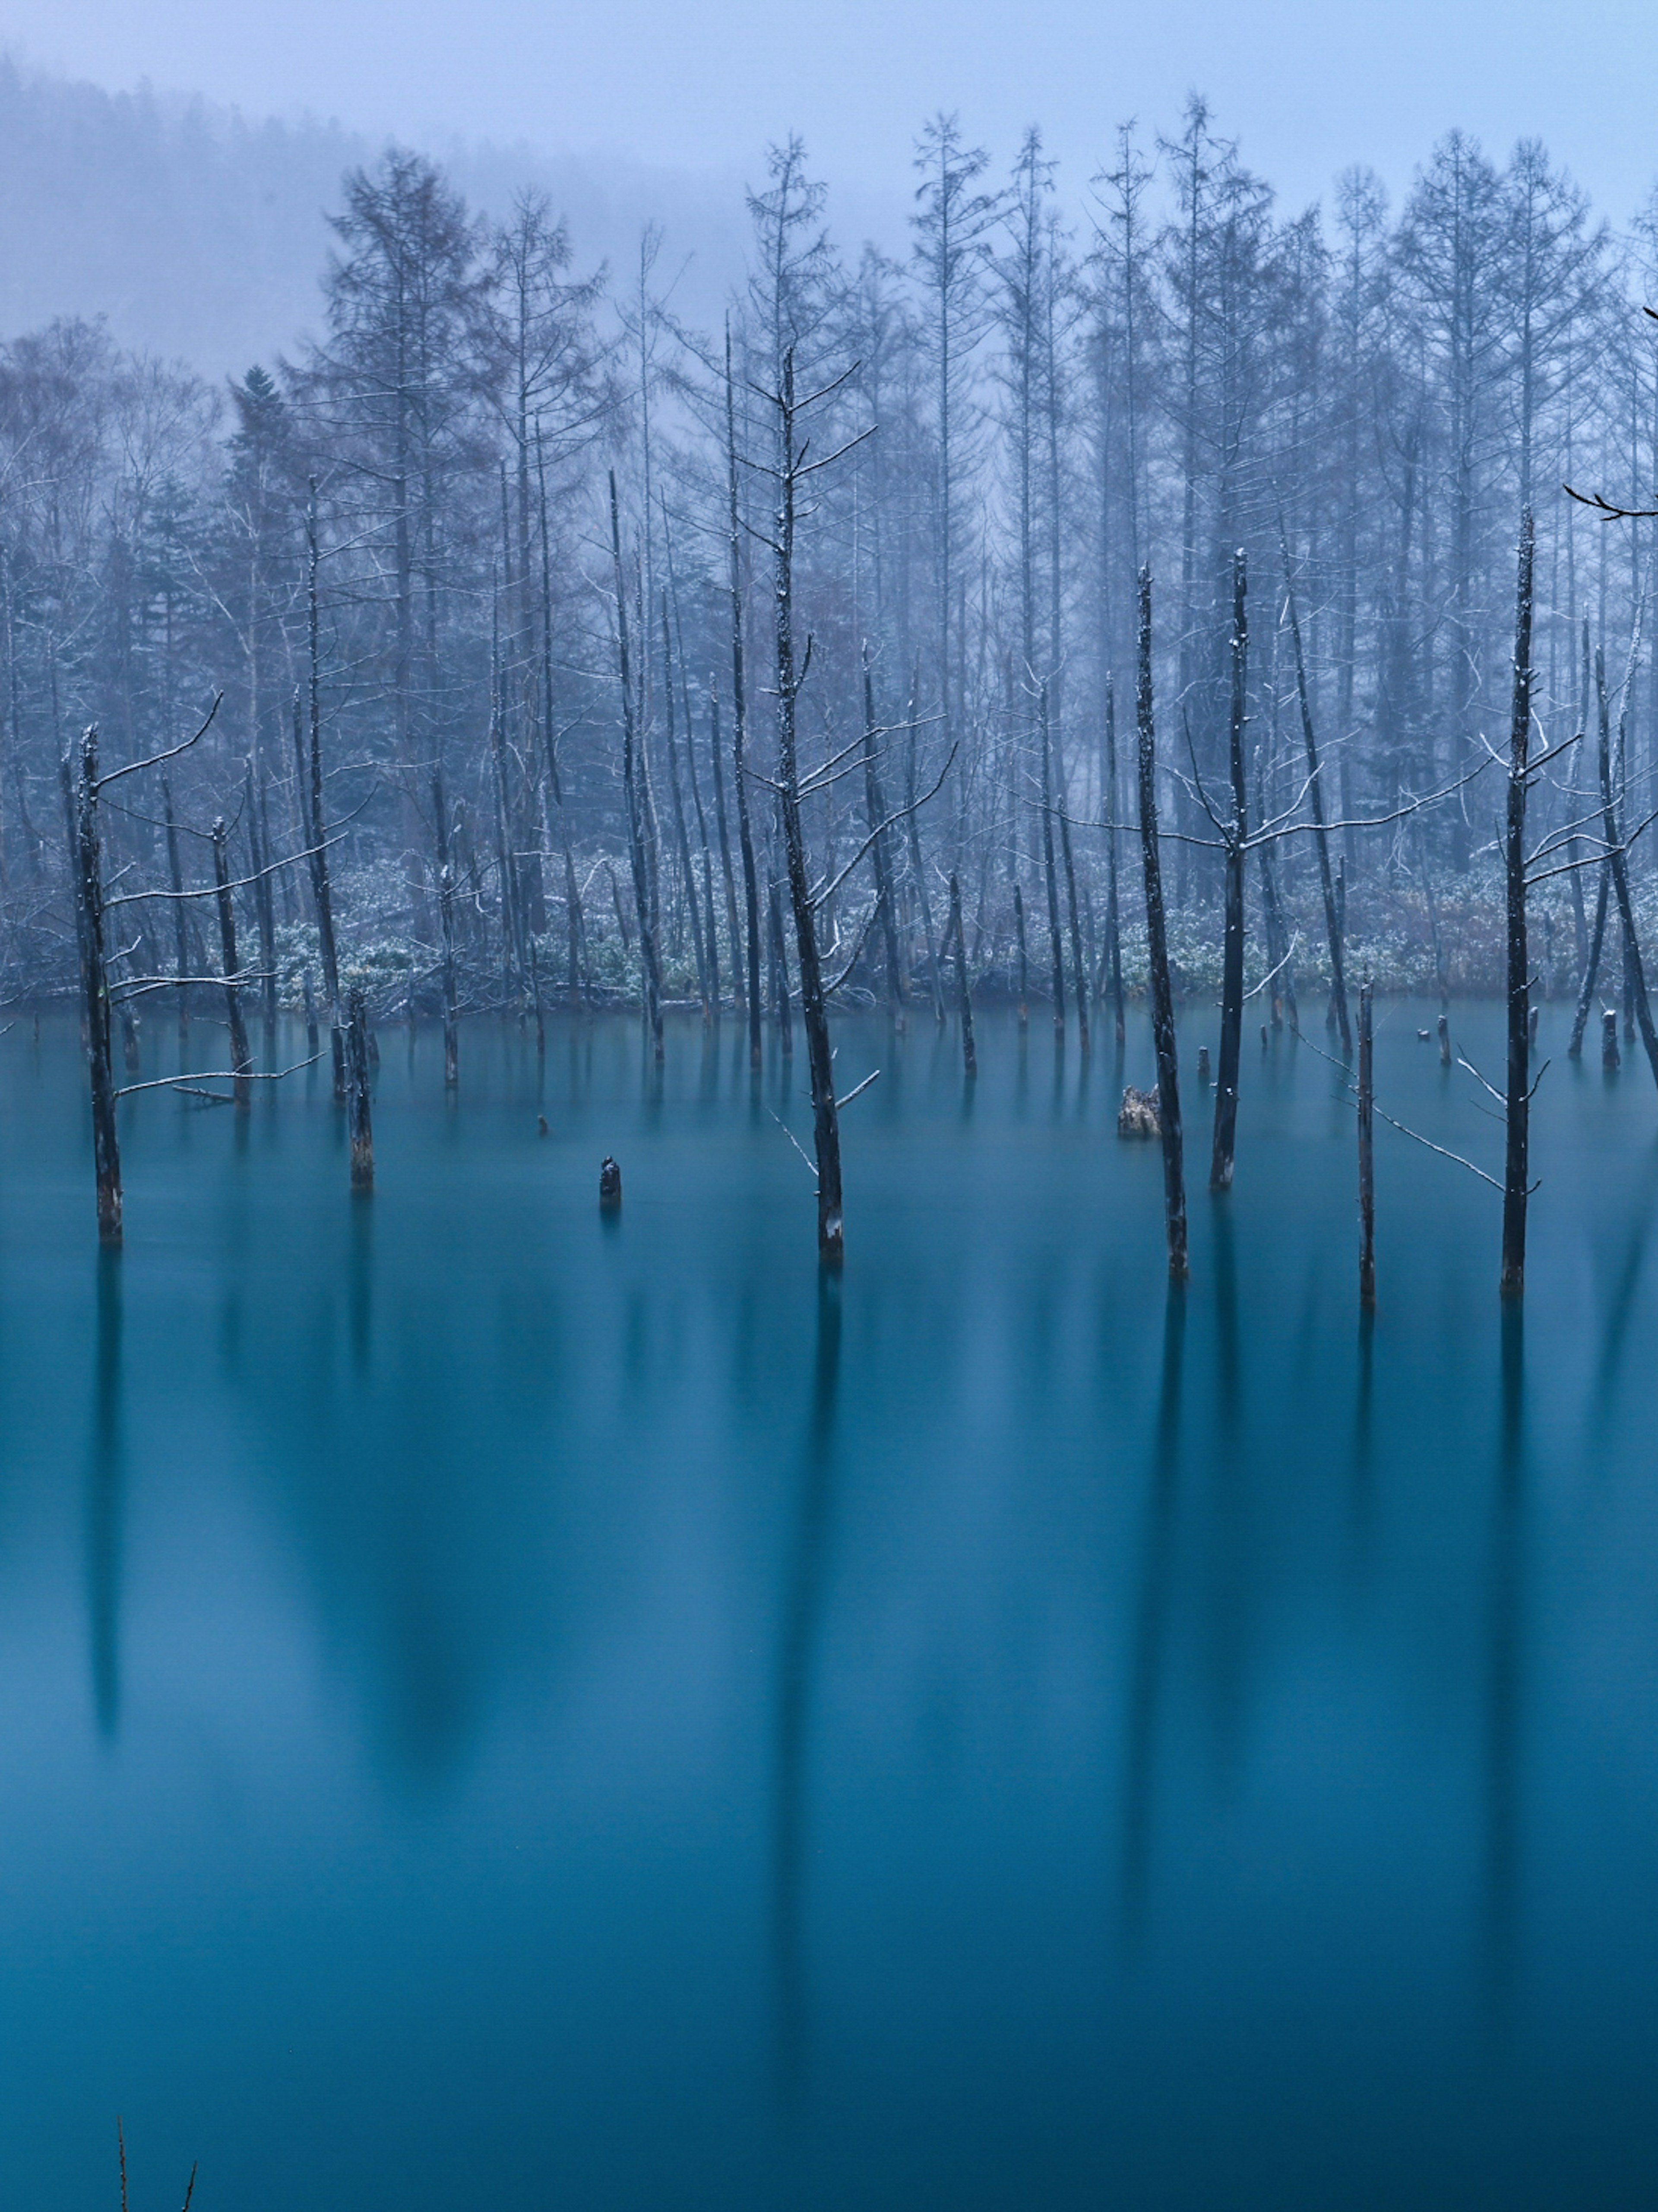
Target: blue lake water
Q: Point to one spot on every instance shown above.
(500, 1706)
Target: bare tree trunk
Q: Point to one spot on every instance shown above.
(1163, 996)
(180, 910)
(651, 972)
(81, 796)
(1232, 988)
(1366, 1153)
(1078, 966)
(733, 929)
(682, 835)
(446, 933)
(1056, 941)
(1592, 963)
(358, 1114)
(1516, 1164)
(241, 1061)
(264, 900)
(826, 1125)
(1024, 962)
(1315, 797)
(1617, 865)
(311, 799)
(964, 993)
(1113, 911)
(780, 968)
(875, 807)
(739, 729)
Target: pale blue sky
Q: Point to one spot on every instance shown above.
(703, 84)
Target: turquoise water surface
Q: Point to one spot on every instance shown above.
(504, 1706)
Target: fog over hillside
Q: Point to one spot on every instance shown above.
(200, 232)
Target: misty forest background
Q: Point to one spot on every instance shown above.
(1066, 378)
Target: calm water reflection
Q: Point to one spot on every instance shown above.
(501, 1704)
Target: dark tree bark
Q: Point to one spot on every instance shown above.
(446, 933)
(1113, 911)
(241, 1060)
(814, 1014)
(722, 827)
(963, 989)
(631, 782)
(310, 785)
(1333, 924)
(1516, 1156)
(1163, 996)
(183, 965)
(1592, 962)
(81, 795)
(1050, 873)
(264, 898)
(739, 729)
(1024, 961)
(358, 1114)
(875, 808)
(1366, 1151)
(1635, 981)
(1231, 989)
(1078, 965)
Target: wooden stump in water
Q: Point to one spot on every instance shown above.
(1203, 1063)
(1610, 1056)
(1444, 1042)
(610, 1185)
(1138, 1114)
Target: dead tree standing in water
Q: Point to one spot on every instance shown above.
(1333, 919)
(81, 794)
(789, 473)
(964, 993)
(875, 807)
(1516, 1156)
(1163, 996)
(358, 1112)
(1366, 1151)
(241, 1060)
(1055, 938)
(631, 778)
(1236, 834)
(739, 732)
(1616, 865)
(1113, 914)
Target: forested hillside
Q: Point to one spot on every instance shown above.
(490, 534)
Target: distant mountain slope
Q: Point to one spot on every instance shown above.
(201, 234)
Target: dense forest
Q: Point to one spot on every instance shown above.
(548, 627)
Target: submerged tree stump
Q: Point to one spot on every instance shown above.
(1138, 1116)
(610, 1185)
